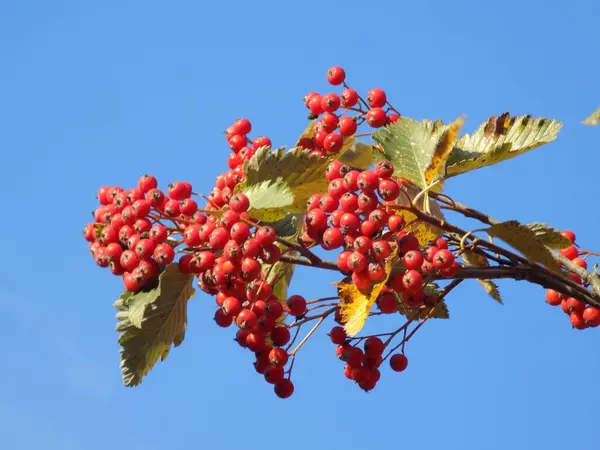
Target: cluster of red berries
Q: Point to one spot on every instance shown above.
(362, 365)
(333, 126)
(127, 235)
(581, 315)
(356, 217)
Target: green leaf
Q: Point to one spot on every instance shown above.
(303, 175)
(524, 239)
(268, 200)
(500, 139)
(419, 151)
(549, 236)
(594, 119)
(150, 322)
(475, 260)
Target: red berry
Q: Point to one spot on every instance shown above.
(373, 347)
(266, 235)
(261, 141)
(332, 239)
(284, 389)
(280, 336)
(329, 122)
(296, 305)
(392, 118)
(164, 254)
(316, 219)
(246, 319)
(347, 126)
(330, 102)
(333, 143)
(396, 222)
(337, 335)
(569, 235)
(222, 319)
(398, 362)
(367, 181)
(336, 75)
(413, 260)
(553, 297)
(577, 320)
(278, 357)
(376, 98)
(240, 232)
(412, 280)
(384, 169)
(376, 117)
(349, 98)
(387, 303)
(357, 262)
(362, 279)
(574, 305)
(570, 252)
(179, 190)
(580, 262)
(443, 259)
(388, 189)
(591, 315)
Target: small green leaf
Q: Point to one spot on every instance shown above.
(524, 239)
(549, 236)
(475, 260)
(594, 119)
(419, 151)
(500, 139)
(99, 228)
(269, 200)
(440, 311)
(150, 322)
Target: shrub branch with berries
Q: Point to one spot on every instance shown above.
(377, 206)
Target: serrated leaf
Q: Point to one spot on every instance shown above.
(500, 139)
(356, 305)
(475, 260)
(549, 236)
(358, 156)
(523, 239)
(593, 119)
(269, 200)
(418, 151)
(150, 322)
(424, 232)
(304, 175)
(307, 133)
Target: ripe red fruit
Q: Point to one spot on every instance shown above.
(332, 238)
(357, 262)
(330, 102)
(569, 235)
(570, 252)
(284, 389)
(316, 219)
(347, 126)
(329, 122)
(392, 118)
(395, 222)
(577, 320)
(381, 250)
(376, 117)
(239, 232)
(553, 297)
(384, 169)
(337, 335)
(376, 98)
(362, 244)
(591, 315)
(362, 279)
(412, 280)
(387, 303)
(373, 347)
(222, 319)
(274, 374)
(367, 181)
(255, 341)
(261, 141)
(413, 260)
(278, 357)
(266, 235)
(239, 203)
(231, 306)
(333, 143)
(328, 203)
(296, 305)
(388, 189)
(336, 75)
(349, 98)
(179, 190)
(398, 362)
(574, 305)
(430, 252)
(443, 259)
(164, 254)
(246, 319)
(280, 336)
(580, 262)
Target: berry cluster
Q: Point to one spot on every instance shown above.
(127, 235)
(334, 125)
(581, 315)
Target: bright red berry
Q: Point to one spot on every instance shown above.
(336, 75)
(398, 362)
(376, 98)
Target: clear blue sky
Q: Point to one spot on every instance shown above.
(97, 93)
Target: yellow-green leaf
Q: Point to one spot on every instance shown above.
(269, 200)
(499, 139)
(549, 236)
(423, 231)
(593, 119)
(358, 155)
(524, 239)
(356, 305)
(417, 150)
(151, 322)
(475, 260)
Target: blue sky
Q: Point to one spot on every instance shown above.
(96, 93)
